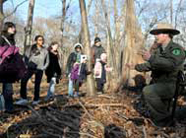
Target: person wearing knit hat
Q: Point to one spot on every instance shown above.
(73, 58)
(164, 63)
(97, 39)
(96, 50)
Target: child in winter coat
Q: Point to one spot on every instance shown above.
(78, 74)
(100, 72)
(53, 71)
(73, 58)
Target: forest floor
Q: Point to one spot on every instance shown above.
(110, 115)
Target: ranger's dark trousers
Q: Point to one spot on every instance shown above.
(8, 96)
(24, 81)
(156, 96)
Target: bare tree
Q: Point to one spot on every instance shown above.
(90, 80)
(15, 9)
(171, 11)
(113, 61)
(28, 29)
(63, 19)
(97, 16)
(4, 16)
(1, 13)
(133, 42)
(117, 31)
(80, 36)
(89, 6)
(177, 11)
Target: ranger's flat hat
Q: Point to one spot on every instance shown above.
(164, 28)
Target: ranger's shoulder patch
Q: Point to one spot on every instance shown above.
(176, 51)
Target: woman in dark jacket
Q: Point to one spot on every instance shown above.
(53, 71)
(7, 39)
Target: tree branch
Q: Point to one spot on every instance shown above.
(4, 1)
(177, 12)
(15, 9)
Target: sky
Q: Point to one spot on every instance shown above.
(43, 8)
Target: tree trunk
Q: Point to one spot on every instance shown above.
(80, 36)
(89, 6)
(28, 29)
(171, 11)
(63, 19)
(96, 18)
(112, 57)
(1, 14)
(84, 20)
(108, 50)
(133, 42)
(62, 51)
(117, 37)
(177, 12)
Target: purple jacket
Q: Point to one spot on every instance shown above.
(75, 72)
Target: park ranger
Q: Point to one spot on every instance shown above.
(164, 64)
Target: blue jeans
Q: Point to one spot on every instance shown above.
(70, 87)
(51, 88)
(7, 94)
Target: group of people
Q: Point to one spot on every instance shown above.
(36, 60)
(77, 69)
(165, 59)
(39, 59)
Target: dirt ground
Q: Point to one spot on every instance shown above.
(110, 115)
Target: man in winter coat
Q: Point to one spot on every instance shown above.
(96, 50)
(164, 63)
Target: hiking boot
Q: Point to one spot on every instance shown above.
(22, 102)
(99, 92)
(49, 98)
(36, 102)
(70, 96)
(13, 111)
(76, 94)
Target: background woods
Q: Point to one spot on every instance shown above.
(123, 26)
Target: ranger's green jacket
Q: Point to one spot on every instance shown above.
(164, 64)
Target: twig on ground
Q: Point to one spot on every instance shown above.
(86, 111)
(144, 132)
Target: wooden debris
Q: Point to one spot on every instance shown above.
(103, 116)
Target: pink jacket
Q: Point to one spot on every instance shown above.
(98, 69)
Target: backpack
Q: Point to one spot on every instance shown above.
(7, 51)
(12, 67)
